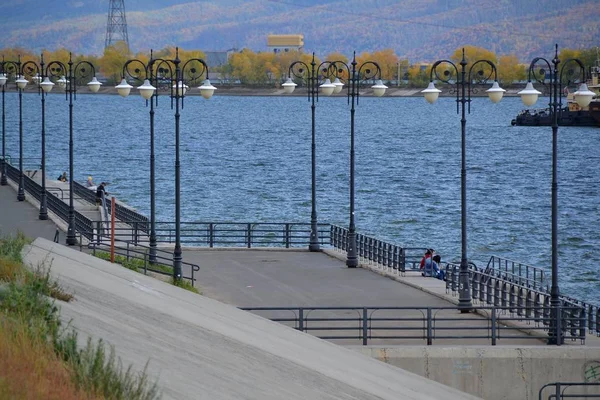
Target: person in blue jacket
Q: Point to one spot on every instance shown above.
(432, 268)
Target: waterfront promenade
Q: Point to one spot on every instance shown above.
(254, 278)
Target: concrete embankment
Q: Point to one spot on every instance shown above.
(200, 348)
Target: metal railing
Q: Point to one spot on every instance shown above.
(517, 272)
(427, 324)
(58, 207)
(131, 251)
(524, 301)
(559, 390)
(122, 213)
(228, 234)
(378, 251)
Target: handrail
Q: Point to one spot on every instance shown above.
(534, 276)
(141, 252)
(559, 388)
(427, 324)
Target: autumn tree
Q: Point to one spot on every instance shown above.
(510, 70)
(418, 75)
(473, 54)
(387, 61)
(112, 61)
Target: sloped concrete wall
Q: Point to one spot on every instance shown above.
(497, 372)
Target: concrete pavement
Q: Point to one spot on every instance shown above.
(200, 348)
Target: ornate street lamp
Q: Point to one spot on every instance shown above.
(483, 73)
(191, 72)
(366, 71)
(143, 72)
(6, 68)
(583, 97)
(70, 77)
(312, 76)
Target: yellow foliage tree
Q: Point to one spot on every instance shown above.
(510, 70)
(112, 61)
(387, 61)
(473, 54)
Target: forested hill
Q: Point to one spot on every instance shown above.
(416, 29)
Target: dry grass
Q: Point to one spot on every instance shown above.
(30, 369)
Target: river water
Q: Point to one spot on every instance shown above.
(247, 159)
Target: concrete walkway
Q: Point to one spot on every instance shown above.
(199, 348)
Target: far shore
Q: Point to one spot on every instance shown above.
(235, 90)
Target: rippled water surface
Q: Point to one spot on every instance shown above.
(248, 159)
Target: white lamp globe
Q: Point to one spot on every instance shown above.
(123, 88)
(180, 88)
(529, 95)
(327, 88)
(207, 90)
(495, 93)
(21, 82)
(146, 89)
(94, 85)
(289, 86)
(3, 79)
(379, 88)
(36, 79)
(584, 96)
(338, 85)
(47, 85)
(62, 82)
(431, 93)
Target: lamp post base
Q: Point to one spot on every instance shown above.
(314, 247)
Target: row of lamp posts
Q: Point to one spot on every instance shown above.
(317, 79)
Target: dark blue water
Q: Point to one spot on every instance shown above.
(248, 159)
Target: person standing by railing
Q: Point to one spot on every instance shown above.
(100, 193)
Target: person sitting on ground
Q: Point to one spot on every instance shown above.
(100, 193)
(432, 268)
(90, 182)
(428, 254)
(63, 177)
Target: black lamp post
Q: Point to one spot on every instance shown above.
(6, 67)
(311, 75)
(34, 71)
(529, 95)
(367, 70)
(143, 72)
(191, 72)
(463, 97)
(76, 72)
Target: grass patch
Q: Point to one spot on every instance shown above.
(184, 284)
(39, 357)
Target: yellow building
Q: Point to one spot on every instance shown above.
(285, 43)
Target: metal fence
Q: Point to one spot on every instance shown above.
(570, 390)
(228, 234)
(525, 301)
(410, 324)
(58, 207)
(378, 251)
(517, 272)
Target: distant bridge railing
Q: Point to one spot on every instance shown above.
(424, 324)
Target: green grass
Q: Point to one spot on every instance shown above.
(137, 265)
(26, 303)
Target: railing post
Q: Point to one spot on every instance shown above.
(287, 236)
(429, 327)
(364, 326)
(494, 326)
(301, 319)
(146, 263)
(98, 231)
(211, 235)
(249, 235)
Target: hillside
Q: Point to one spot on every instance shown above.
(419, 30)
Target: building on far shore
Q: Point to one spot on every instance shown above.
(285, 43)
(218, 58)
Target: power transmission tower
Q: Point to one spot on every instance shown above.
(116, 27)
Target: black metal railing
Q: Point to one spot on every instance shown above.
(570, 390)
(518, 272)
(164, 259)
(426, 324)
(378, 251)
(122, 213)
(524, 301)
(228, 234)
(58, 207)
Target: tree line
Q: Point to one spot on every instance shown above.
(268, 69)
